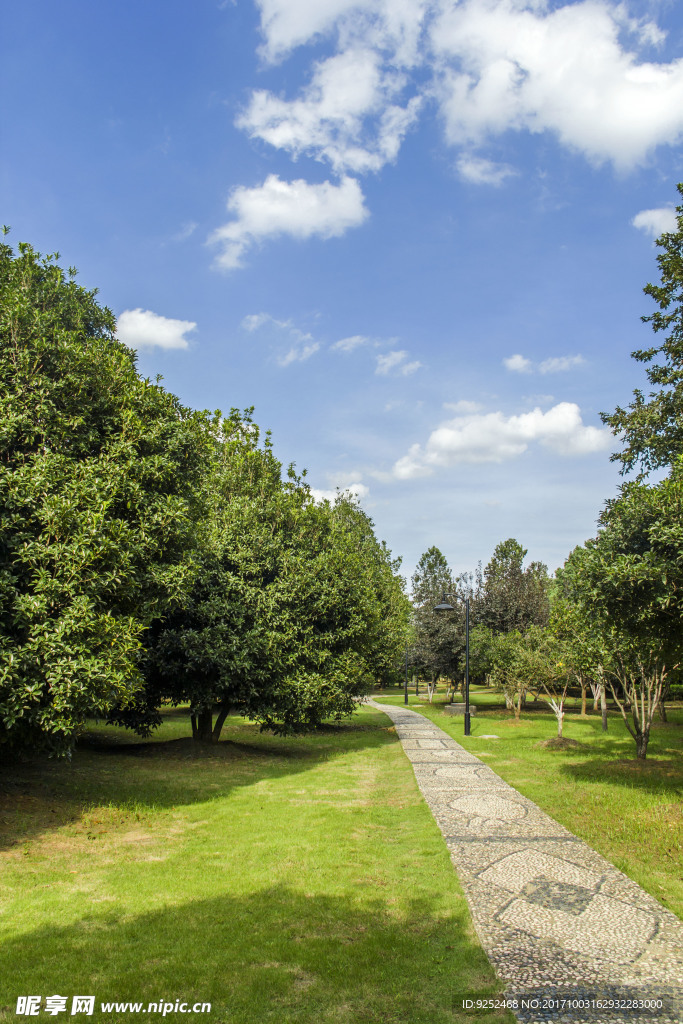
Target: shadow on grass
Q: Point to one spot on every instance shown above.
(276, 955)
(112, 768)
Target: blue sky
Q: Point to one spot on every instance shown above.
(412, 233)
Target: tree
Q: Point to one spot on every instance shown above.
(513, 597)
(296, 609)
(651, 429)
(440, 639)
(98, 475)
(523, 662)
(628, 582)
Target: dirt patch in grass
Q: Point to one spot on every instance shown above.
(560, 743)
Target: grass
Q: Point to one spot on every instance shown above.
(285, 880)
(628, 810)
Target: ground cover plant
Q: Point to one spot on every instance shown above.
(285, 879)
(629, 810)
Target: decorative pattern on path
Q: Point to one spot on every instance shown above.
(558, 922)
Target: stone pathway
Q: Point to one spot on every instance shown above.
(558, 921)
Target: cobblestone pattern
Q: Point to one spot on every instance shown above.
(556, 919)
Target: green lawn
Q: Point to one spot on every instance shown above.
(628, 810)
(285, 880)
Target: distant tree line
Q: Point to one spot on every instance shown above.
(154, 555)
(611, 619)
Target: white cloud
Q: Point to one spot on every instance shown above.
(480, 171)
(524, 65)
(349, 344)
(559, 364)
(302, 345)
(346, 116)
(463, 406)
(254, 321)
(293, 208)
(140, 328)
(518, 364)
(396, 362)
(656, 222)
(354, 488)
(574, 69)
(556, 364)
(393, 25)
(493, 437)
(298, 353)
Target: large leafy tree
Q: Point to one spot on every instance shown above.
(296, 609)
(651, 427)
(98, 482)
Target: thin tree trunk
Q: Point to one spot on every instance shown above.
(662, 712)
(603, 706)
(583, 699)
(223, 713)
(560, 719)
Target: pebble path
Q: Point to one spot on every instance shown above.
(563, 928)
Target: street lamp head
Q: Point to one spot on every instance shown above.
(444, 606)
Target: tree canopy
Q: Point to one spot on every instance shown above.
(150, 554)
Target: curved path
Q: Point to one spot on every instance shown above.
(557, 920)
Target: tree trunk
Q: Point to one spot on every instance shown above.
(662, 712)
(417, 686)
(596, 696)
(223, 713)
(641, 745)
(201, 726)
(560, 719)
(603, 706)
(583, 699)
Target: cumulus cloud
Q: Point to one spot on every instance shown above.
(580, 70)
(656, 222)
(493, 437)
(521, 65)
(556, 364)
(292, 208)
(346, 116)
(395, 362)
(140, 328)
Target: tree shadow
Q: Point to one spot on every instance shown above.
(115, 769)
(654, 775)
(277, 955)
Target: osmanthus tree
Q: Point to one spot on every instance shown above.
(296, 609)
(628, 584)
(99, 474)
(583, 652)
(524, 662)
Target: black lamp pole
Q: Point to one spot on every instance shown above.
(446, 607)
(405, 685)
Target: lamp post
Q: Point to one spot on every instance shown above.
(405, 684)
(446, 607)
